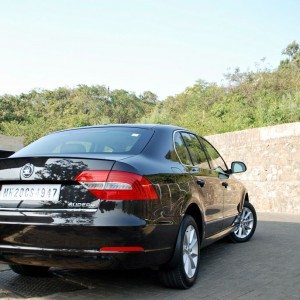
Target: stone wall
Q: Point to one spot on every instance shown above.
(9, 143)
(272, 156)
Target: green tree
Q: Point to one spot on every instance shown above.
(250, 99)
(292, 51)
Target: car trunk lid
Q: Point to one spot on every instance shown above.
(45, 183)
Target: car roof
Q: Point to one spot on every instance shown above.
(145, 126)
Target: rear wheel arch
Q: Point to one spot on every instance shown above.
(174, 274)
(194, 211)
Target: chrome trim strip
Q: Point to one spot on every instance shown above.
(70, 251)
(48, 210)
(10, 247)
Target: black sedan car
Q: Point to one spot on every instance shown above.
(119, 196)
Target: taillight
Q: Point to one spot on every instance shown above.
(117, 185)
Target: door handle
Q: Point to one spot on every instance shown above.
(201, 182)
(225, 184)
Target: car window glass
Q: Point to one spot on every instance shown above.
(197, 154)
(118, 140)
(181, 149)
(216, 161)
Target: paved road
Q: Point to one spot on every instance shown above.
(267, 267)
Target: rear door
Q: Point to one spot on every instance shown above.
(208, 184)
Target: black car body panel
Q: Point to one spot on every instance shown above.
(5, 153)
(71, 231)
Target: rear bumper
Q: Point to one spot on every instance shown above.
(88, 259)
(79, 246)
(73, 238)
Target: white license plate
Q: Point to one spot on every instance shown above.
(35, 192)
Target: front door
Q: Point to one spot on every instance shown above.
(208, 185)
(229, 185)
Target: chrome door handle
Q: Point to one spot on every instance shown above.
(225, 184)
(201, 182)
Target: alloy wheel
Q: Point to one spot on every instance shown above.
(190, 251)
(244, 224)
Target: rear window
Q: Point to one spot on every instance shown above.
(90, 140)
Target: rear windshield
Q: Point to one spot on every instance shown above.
(90, 140)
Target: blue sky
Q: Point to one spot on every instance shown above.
(157, 45)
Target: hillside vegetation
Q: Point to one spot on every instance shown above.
(250, 99)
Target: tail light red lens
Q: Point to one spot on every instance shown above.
(117, 185)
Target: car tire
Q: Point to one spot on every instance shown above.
(182, 271)
(34, 271)
(245, 224)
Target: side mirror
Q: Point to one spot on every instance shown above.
(237, 167)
